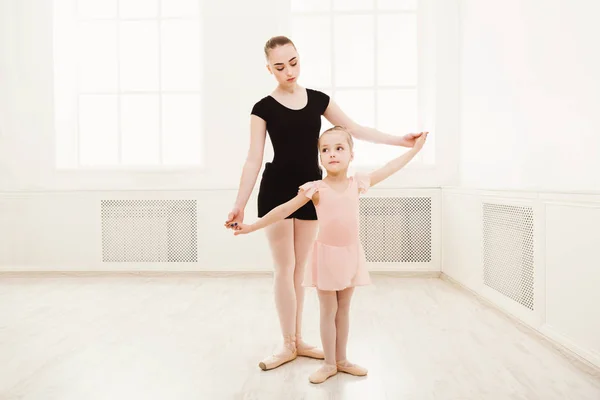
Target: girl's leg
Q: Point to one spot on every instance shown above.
(342, 323)
(342, 328)
(281, 242)
(328, 309)
(305, 233)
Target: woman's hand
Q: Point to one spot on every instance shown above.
(235, 218)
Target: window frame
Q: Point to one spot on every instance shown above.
(422, 94)
(73, 138)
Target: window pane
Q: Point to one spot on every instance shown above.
(397, 110)
(98, 130)
(397, 4)
(138, 8)
(64, 46)
(368, 154)
(140, 130)
(353, 5)
(182, 130)
(97, 52)
(139, 55)
(353, 41)
(181, 68)
(180, 8)
(359, 105)
(325, 124)
(97, 8)
(65, 130)
(397, 49)
(396, 115)
(310, 5)
(311, 36)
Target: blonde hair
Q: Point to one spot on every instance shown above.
(337, 128)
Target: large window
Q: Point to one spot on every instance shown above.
(364, 54)
(127, 83)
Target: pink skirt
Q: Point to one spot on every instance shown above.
(336, 267)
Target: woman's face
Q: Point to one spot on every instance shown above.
(284, 64)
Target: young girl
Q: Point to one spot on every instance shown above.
(337, 263)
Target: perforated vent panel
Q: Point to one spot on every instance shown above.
(149, 231)
(508, 251)
(396, 229)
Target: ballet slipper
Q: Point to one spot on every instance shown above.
(352, 369)
(288, 354)
(323, 373)
(306, 350)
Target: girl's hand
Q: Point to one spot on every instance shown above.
(242, 229)
(410, 139)
(420, 142)
(235, 218)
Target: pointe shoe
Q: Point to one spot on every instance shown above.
(306, 350)
(276, 360)
(323, 373)
(352, 369)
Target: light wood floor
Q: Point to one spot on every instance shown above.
(193, 337)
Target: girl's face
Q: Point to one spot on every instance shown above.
(335, 152)
(284, 64)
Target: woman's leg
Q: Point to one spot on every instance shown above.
(281, 241)
(328, 309)
(342, 328)
(305, 233)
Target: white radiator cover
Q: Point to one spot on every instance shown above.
(508, 253)
(396, 229)
(149, 230)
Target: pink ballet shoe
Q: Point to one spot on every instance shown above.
(306, 350)
(288, 354)
(323, 373)
(352, 369)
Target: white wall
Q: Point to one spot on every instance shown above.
(565, 261)
(234, 31)
(529, 123)
(530, 94)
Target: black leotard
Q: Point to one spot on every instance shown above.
(294, 135)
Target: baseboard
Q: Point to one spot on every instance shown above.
(568, 343)
(130, 274)
(577, 360)
(198, 273)
(407, 274)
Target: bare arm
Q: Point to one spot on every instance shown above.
(276, 214)
(398, 163)
(336, 116)
(258, 133)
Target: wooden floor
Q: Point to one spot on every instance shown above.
(193, 337)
